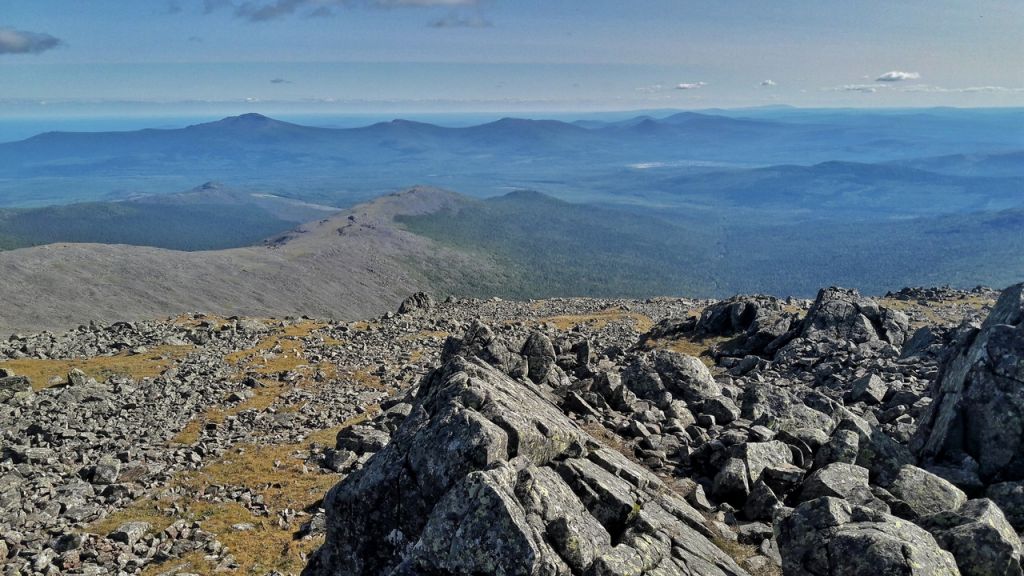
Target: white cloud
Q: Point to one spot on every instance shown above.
(897, 76)
(864, 88)
(966, 90)
(769, 83)
(690, 85)
(20, 42)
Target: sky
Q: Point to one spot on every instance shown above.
(76, 57)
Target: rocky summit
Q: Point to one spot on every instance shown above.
(753, 435)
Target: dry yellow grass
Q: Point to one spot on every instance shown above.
(188, 321)
(424, 335)
(740, 552)
(600, 319)
(365, 378)
(327, 436)
(190, 433)
(698, 348)
(361, 326)
(263, 397)
(280, 351)
(147, 365)
(275, 471)
(935, 312)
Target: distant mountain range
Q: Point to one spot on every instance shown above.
(581, 161)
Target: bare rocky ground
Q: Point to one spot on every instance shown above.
(568, 436)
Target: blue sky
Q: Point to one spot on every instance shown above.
(466, 55)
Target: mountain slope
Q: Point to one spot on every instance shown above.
(209, 217)
(998, 164)
(521, 245)
(845, 190)
(353, 264)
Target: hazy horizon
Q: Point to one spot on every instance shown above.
(337, 56)
(14, 127)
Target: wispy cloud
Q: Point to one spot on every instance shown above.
(651, 89)
(863, 88)
(425, 2)
(768, 83)
(280, 81)
(690, 85)
(267, 10)
(965, 90)
(461, 21)
(21, 42)
(897, 76)
(262, 11)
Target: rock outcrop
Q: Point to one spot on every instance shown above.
(976, 418)
(828, 537)
(488, 476)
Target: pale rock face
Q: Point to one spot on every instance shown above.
(978, 405)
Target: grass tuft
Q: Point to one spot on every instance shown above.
(45, 373)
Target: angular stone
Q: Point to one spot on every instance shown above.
(11, 386)
(838, 480)
(980, 538)
(870, 389)
(828, 536)
(722, 409)
(106, 470)
(686, 376)
(731, 483)
(488, 476)
(760, 455)
(130, 532)
(923, 493)
(362, 439)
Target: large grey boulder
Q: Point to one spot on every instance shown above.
(488, 476)
(640, 378)
(840, 315)
(757, 324)
(685, 376)
(980, 538)
(839, 480)
(841, 318)
(417, 301)
(479, 341)
(922, 493)
(978, 406)
(830, 537)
